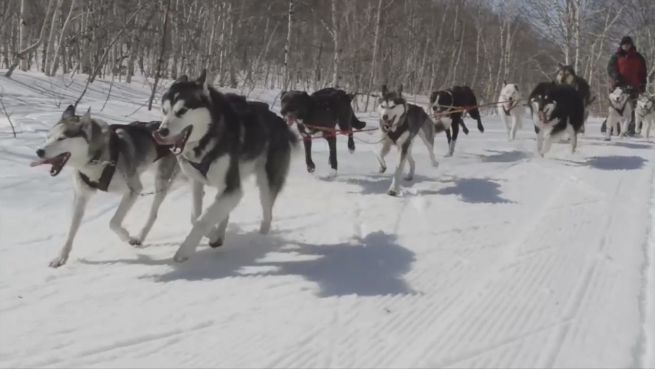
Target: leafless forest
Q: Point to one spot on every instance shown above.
(308, 44)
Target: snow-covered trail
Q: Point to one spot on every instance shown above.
(495, 259)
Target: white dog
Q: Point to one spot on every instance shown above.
(508, 110)
(620, 112)
(645, 113)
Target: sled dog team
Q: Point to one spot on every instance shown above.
(218, 139)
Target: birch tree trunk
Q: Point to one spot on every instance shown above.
(335, 39)
(161, 55)
(287, 46)
(55, 63)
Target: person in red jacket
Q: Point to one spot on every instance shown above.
(627, 67)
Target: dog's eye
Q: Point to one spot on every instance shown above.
(181, 112)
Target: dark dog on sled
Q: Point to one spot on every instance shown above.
(320, 113)
(448, 108)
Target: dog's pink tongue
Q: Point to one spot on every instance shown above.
(39, 162)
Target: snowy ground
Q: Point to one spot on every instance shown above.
(495, 259)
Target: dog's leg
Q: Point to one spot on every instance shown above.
(166, 171)
(412, 164)
(394, 189)
(307, 142)
(451, 146)
(648, 124)
(547, 142)
(197, 194)
(128, 200)
(266, 199)
(386, 146)
(215, 213)
(515, 125)
(351, 143)
(332, 144)
(573, 136)
(609, 127)
(79, 205)
(217, 234)
(540, 139)
(429, 144)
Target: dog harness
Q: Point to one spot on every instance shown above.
(110, 167)
(395, 135)
(620, 111)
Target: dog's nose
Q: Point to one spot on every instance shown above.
(434, 108)
(163, 132)
(40, 153)
(385, 117)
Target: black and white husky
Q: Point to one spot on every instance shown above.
(400, 123)
(320, 113)
(645, 113)
(448, 108)
(566, 76)
(508, 109)
(620, 112)
(106, 158)
(556, 110)
(220, 139)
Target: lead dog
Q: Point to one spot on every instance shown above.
(508, 110)
(220, 139)
(110, 159)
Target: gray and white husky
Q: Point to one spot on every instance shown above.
(106, 158)
(219, 140)
(400, 123)
(645, 113)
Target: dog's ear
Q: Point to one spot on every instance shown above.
(433, 97)
(400, 90)
(202, 80)
(90, 127)
(516, 87)
(504, 82)
(181, 79)
(385, 90)
(69, 112)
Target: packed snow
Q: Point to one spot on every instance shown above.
(497, 258)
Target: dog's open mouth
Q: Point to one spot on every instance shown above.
(57, 163)
(176, 142)
(542, 117)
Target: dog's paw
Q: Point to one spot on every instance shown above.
(135, 242)
(180, 257)
(393, 192)
(216, 243)
(311, 168)
(332, 174)
(58, 261)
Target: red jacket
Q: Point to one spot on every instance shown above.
(628, 68)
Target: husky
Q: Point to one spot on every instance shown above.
(508, 110)
(645, 113)
(448, 108)
(566, 76)
(319, 113)
(559, 110)
(220, 139)
(620, 111)
(106, 158)
(400, 123)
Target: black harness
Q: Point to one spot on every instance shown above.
(110, 168)
(620, 111)
(402, 128)
(203, 166)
